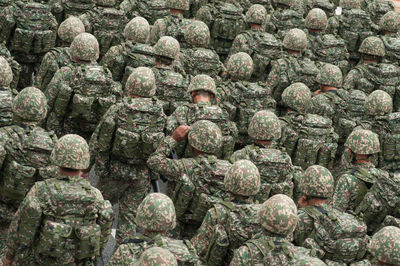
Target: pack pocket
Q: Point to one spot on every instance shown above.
(307, 153)
(22, 40)
(151, 142)
(44, 41)
(17, 180)
(125, 143)
(53, 238)
(89, 241)
(82, 106)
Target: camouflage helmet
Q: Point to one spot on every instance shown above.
(71, 151)
(304, 260)
(297, 97)
(105, 3)
(330, 75)
(30, 105)
(265, 125)
(167, 47)
(6, 74)
(205, 136)
(141, 82)
(385, 245)
(363, 142)
(278, 215)
(156, 213)
(390, 21)
(350, 4)
(316, 19)
(372, 46)
(202, 82)
(197, 34)
(178, 4)
(378, 103)
(70, 28)
(157, 256)
(256, 14)
(137, 30)
(285, 2)
(240, 66)
(295, 40)
(243, 178)
(85, 47)
(317, 182)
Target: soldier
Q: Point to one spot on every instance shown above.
(370, 74)
(6, 93)
(377, 8)
(62, 220)
(79, 94)
(106, 23)
(230, 223)
(157, 256)
(263, 47)
(389, 26)
(385, 246)
(199, 179)
(308, 138)
(64, 9)
(156, 216)
(278, 217)
(171, 85)
(293, 67)
(134, 52)
(275, 166)
(60, 56)
(315, 215)
(127, 134)
(29, 30)
(15, 67)
(198, 58)
(150, 10)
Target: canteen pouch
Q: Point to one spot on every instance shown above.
(89, 241)
(218, 248)
(182, 195)
(82, 106)
(53, 238)
(125, 143)
(17, 180)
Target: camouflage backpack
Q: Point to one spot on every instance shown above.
(276, 171)
(285, 20)
(61, 57)
(202, 61)
(152, 10)
(176, 28)
(27, 161)
(75, 8)
(392, 48)
(331, 49)
(326, 5)
(341, 235)
(297, 70)
(272, 252)
(35, 30)
(6, 99)
(378, 8)
(391, 143)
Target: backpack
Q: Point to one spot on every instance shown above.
(202, 61)
(392, 48)
(76, 7)
(35, 30)
(330, 49)
(15, 66)
(276, 171)
(152, 10)
(176, 28)
(378, 8)
(183, 250)
(269, 252)
(327, 6)
(285, 20)
(341, 235)
(391, 143)
(6, 113)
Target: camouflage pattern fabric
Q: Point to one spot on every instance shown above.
(157, 256)
(384, 245)
(151, 11)
(389, 146)
(64, 9)
(15, 66)
(283, 19)
(378, 8)
(265, 125)
(6, 93)
(69, 29)
(317, 182)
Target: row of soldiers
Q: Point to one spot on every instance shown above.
(195, 103)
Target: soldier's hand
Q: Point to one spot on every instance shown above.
(180, 133)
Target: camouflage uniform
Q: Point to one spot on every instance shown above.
(80, 93)
(199, 179)
(390, 150)
(63, 9)
(156, 215)
(106, 23)
(389, 26)
(150, 10)
(126, 135)
(263, 47)
(62, 220)
(275, 166)
(328, 6)
(278, 217)
(377, 8)
(6, 93)
(15, 66)
(228, 224)
(171, 85)
(59, 57)
(157, 256)
(385, 245)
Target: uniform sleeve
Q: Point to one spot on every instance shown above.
(304, 227)
(115, 61)
(345, 188)
(241, 257)
(47, 68)
(7, 23)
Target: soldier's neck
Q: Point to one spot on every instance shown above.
(256, 27)
(328, 88)
(176, 12)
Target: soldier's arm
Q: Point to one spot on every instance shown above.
(303, 229)
(346, 186)
(115, 61)
(351, 79)
(122, 256)
(7, 23)
(241, 257)
(47, 68)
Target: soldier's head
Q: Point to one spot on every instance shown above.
(390, 22)
(71, 154)
(157, 256)
(256, 16)
(265, 127)
(141, 83)
(240, 66)
(166, 50)
(330, 77)
(197, 34)
(202, 89)
(85, 48)
(178, 6)
(295, 41)
(283, 4)
(156, 213)
(242, 180)
(378, 103)
(316, 20)
(297, 97)
(29, 106)
(69, 29)
(137, 30)
(362, 144)
(205, 137)
(372, 50)
(385, 246)
(278, 215)
(105, 3)
(317, 186)
(6, 74)
(350, 4)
